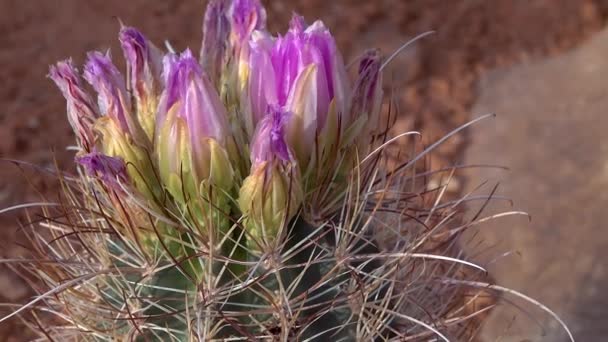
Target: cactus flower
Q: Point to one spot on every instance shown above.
(192, 132)
(153, 242)
(271, 195)
(144, 62)
(304, 74)
(81, 110)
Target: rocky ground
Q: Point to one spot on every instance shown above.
(435, 82)
(550, 131)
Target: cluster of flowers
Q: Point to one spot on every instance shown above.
(265, 127)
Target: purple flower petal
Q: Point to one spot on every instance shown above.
(195, 103)
(144, 62)
(81, 110)
(246, 16)
(269, 139)
(198, 101)
(111, 170)
(297, 24)
(301, 73)
(110, 86)
(335, 71)
(367, 94)
(290, 55)
(262, 81)
(175, 70)
(216, 32)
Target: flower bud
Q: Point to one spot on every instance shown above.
(113, 175)
(122, 134)
(192, 133)
(261, 91)
(246, 16)
(367, 95)
(137, 158)
(144, 62)
(269, 140)
(303, 73)
(113, 99)
(216, 32)
(110, 170)
(81, 110)
(271, 195)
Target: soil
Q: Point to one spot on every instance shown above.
(433, 83)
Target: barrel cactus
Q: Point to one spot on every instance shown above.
(244, 194)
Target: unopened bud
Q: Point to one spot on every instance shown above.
(112, 171)
(82, 112)
(113, 99)
(271, 195)
(144, 62)
(367, 95)
(193, 132)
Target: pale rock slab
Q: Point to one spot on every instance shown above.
(551, 130)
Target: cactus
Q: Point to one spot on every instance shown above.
(245, 196)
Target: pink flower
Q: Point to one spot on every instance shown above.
(302, 73)
(192, 128)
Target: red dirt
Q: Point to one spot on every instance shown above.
(434, 80)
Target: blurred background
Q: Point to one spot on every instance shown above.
(542, 65)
